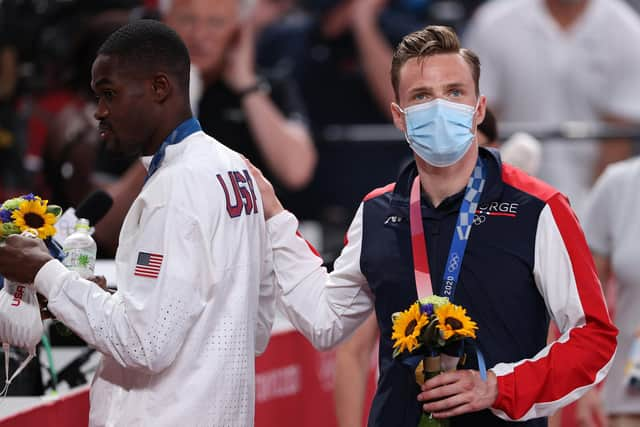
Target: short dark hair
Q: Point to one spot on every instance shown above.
(431, 40)
(152, 46)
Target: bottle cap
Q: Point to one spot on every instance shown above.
(82, 224)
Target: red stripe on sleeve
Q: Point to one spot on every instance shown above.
(313, 249)
(576, 362)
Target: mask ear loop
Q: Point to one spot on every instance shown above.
(23, 365)
(399, 108)
(5, 349)
(25, 362)
(475, 110)
(402, 111)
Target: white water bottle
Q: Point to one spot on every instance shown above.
(80, 250)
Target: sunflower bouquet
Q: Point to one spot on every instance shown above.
(28, 213)
(430, 333)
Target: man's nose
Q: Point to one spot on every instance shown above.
(101, 112)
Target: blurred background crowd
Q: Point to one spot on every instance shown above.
(301, 87)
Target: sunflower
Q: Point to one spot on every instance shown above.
(407, 326)
(453, 320)
(32, 214)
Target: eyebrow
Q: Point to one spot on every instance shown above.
(102, 81)
(455, 85)
(421, 89)
(429, 90)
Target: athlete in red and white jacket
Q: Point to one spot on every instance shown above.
(526, 261)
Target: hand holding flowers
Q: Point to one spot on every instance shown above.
(28, 213)
(454, 393)
(22, 257)
(432, 329)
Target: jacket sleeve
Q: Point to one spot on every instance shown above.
(266, 303)
(144, 324)
(580, 358)
(324, 307)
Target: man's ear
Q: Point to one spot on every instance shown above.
(398, 117)
(161, 87)
(481, 111)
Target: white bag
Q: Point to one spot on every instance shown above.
(20, 322)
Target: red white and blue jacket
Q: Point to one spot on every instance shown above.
(526, 261)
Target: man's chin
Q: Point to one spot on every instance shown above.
(115, 146)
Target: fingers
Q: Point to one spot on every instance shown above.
(453, 406)
(270, 203)
(254, 170)
(443, 379)
(454, 393)
(444, 391)
(17, 241)
(22, 257)
(263, 183)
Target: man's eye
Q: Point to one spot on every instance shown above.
(456, 92)
(108, 95)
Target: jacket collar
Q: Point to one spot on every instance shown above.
(399, 205)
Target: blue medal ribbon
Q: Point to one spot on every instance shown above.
(459, 241)
(183, 130)
(462, 231)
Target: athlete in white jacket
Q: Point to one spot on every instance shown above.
(179, 336)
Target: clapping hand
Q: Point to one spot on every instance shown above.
(239, 68)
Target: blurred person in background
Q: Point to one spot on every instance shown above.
(12, 177)
(330, 49)
(613, 234)
(353, 40)
(258, 116)
(546, 62)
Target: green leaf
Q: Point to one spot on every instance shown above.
(9, 228)
(12, 204)
(55, 210)
(428, 335)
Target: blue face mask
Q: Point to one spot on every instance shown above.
(439, 131)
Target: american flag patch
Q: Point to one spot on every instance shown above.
(148, 265)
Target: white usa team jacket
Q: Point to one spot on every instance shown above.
(180, 334)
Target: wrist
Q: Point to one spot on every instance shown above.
(260, 85)
(365, 22)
